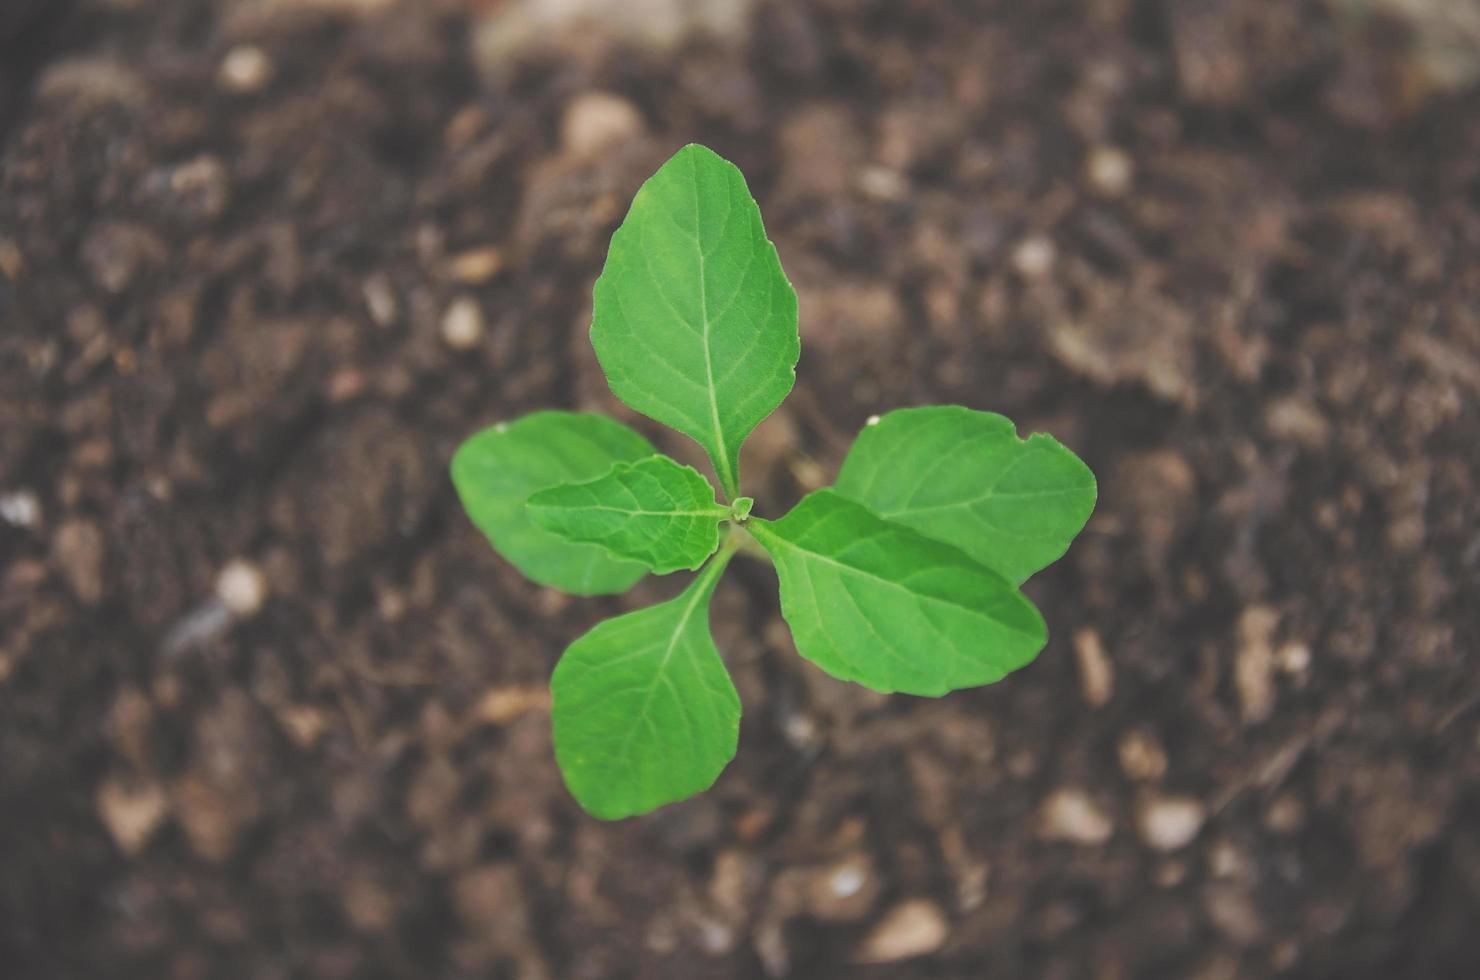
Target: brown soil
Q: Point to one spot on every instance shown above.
(221, 306)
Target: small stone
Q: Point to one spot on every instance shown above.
(596, 122)
(1285, 815)
(736, 878)
(462, 324)
(715, 938)
(1096, 675)
(476, 266)
(1109, 170)
(912, 928)
(132, 812)
(1294, 419)
(1034, 257)
(1169, 823)
(1225, 860)
(20, 508)
(1253, 667)
(883, 184)
(380, 300)
(303, 723)
(242, 588)
(1230, 908)
(77, 549)
(843, 891)
(201, 187)
(501, 705)
(1141, 756)
(1293, 658)
(1069, 814)
(245, 69)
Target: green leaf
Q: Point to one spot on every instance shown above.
(694, 322)
(643, 709)
(881, 604)
(498, 469)
(965, 478)
(654, 511)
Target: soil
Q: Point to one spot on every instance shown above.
(270, 708)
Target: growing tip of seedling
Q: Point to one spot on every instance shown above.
(740, 509)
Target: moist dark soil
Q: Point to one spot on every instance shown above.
(1228, 251)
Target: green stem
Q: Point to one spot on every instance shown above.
(741, 540)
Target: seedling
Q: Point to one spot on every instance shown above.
(903, 576)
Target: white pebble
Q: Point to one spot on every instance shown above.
(1034, 257)
(245, 69)
(1070, 814)
(462, 324)
(598, 121)
(20, 508)
(1110, 170)
(1169, 823)
(912, 928)
(1294, 658)
(847, 880)
(1096, 675)
(242, 588)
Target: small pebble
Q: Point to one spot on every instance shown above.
(844, 891)
(1253, 667)
(912, 928)
(1296, 419)
(1285, 815)
(476, 265)
(1169, 823)
(132, 812)
(242, 588)
(245, 69)
(462, 324)
(597, 121)
(20, 508)
(501, 705)
(1070, 814)
(1293, 658)
(202, 187)
(1096, 675)
(1110, 170)
(846, 881)
(380, 300)
(1034, 257)
(1141, 756)
(883, 184)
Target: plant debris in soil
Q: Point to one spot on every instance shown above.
(270, 708)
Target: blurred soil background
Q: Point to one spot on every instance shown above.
(270, 708)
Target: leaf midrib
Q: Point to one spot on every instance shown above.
(721, 453)
(766, 530)
(701, 588)
(718, 513)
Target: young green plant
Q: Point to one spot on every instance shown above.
(902, 577)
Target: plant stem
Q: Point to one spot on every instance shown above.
(741, 540)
